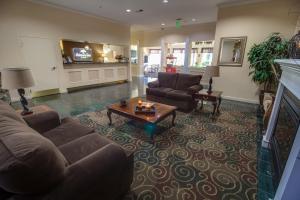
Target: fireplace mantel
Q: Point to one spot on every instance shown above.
(290, 79)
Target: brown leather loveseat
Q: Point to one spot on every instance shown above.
(59, 160)
(175, 89)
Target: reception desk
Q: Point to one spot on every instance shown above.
(85, 74)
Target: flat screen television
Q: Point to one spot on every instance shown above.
(82, 55)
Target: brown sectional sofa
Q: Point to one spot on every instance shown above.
(62, 161)
(175, 89)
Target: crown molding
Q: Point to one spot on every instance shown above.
(239, 3)
(64, 8)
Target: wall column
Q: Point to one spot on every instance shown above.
(187, 55)
(164, 53)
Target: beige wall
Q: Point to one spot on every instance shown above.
(19, 18)
(298, 25)
(256, 21)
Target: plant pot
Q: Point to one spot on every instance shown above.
(262, 94)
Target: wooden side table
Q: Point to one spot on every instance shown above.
(36, 110)
(215, 97)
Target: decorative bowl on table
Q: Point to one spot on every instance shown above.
(145, 108)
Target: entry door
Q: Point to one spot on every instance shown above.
(39, 56)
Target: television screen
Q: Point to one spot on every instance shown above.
(82, 55)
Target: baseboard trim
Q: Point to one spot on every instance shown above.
(79, 88)
(241, 99)
(45, 93)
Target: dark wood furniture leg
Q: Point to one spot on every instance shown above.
(201, 104)
(215, 107)
(219, 103)
(173, 118)
(109, 117)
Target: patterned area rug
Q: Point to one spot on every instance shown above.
(199, 158)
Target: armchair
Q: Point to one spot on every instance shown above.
(59, 161)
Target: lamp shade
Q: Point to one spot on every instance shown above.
(212, 71)
(16, 78)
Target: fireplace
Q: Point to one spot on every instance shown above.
(285, 132)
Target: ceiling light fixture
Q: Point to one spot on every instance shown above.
(128, 10)
(193, 19)
(163, 24)
(165, 1)
(139, 10)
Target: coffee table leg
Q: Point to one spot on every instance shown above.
(109, 117)
(173, 118)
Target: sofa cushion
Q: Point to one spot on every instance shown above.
(66, 132)
(167, 80)
(8, 111)
(83, 146)
(185, 81)
(179, 95)
(160, 92)
(29, 163)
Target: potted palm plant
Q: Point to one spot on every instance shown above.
(263, 70)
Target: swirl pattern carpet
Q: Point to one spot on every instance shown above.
(200, 158)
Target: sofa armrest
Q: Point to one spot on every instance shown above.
(97, 176)
(194, 89)
(43, 122)
(154, 84)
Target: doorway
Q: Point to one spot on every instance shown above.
(39, 56)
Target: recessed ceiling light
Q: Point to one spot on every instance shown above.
(163, 24)
(193, 19)
(128, 10)
(165, 1)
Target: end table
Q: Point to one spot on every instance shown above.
(214, 97)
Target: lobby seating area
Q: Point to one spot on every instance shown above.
(149, 100)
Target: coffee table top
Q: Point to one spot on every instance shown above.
(162, 111)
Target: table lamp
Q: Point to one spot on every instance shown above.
(18, 78)
(211, 71)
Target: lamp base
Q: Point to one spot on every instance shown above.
(25, 112)
(24, 102)
(209, 91)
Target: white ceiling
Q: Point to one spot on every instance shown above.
(155, 12)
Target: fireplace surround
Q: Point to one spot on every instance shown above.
(283, 133)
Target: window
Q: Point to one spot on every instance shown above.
(179, 54)
(134, 54)
(201, 54)
(194, 56)
(154, 57)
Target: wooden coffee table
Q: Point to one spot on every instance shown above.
(162, 111)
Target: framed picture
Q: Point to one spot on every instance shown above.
(232, 51)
